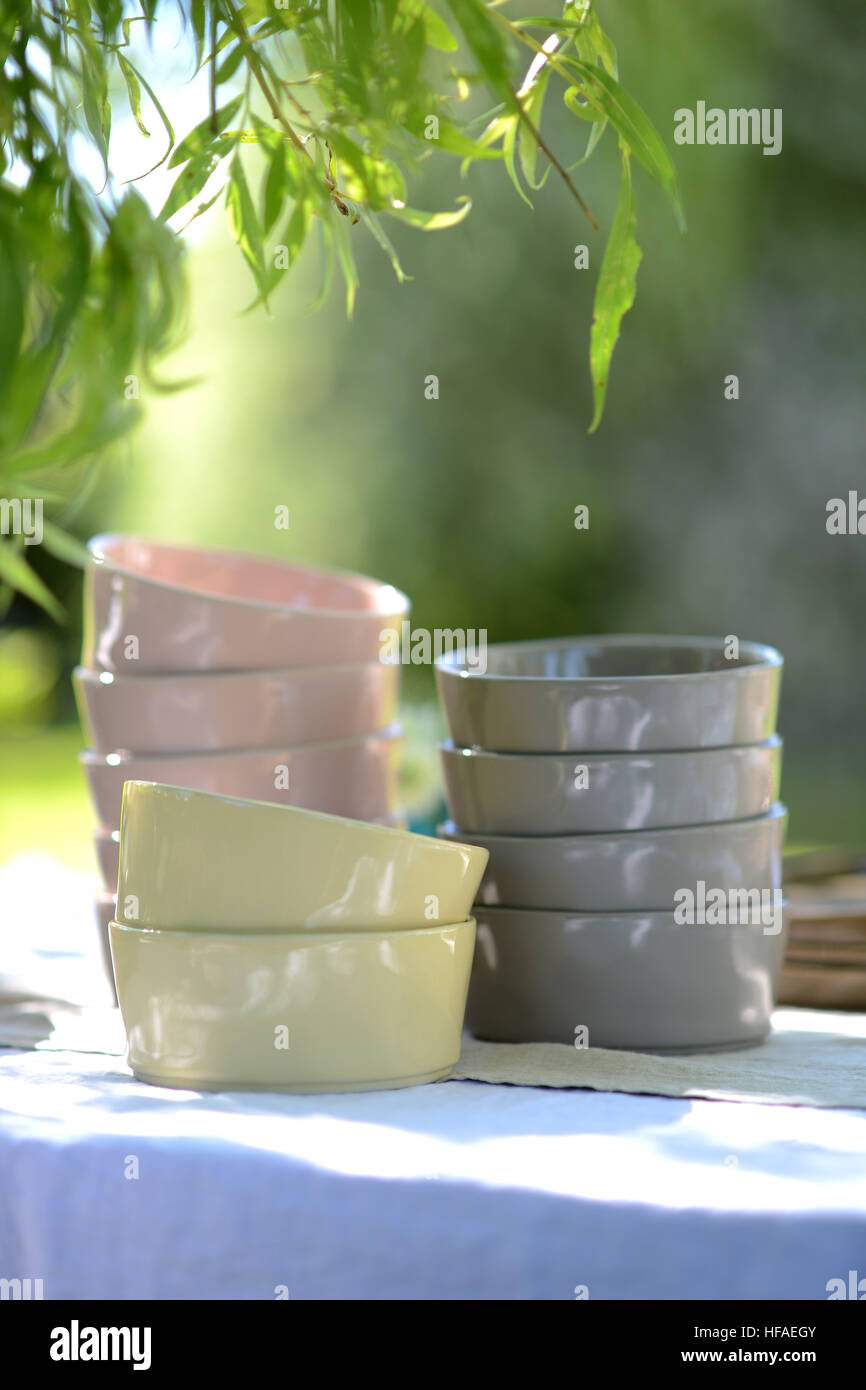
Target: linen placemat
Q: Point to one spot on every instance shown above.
(810, 1058)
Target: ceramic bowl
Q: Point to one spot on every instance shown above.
(293, 1012)
(637, 981)
(635, 871)
(234, 709)
(106, 843)
(611, 694)
(189, 860)
(107, 846)
(347, 777)
(104, 906)
(197, 610)
(569, 794)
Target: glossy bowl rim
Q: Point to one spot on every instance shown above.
(476, 752)
(368, 828)
(105, 563)
(307, 938)
(777, 812)
(769, 659)
(91, 757)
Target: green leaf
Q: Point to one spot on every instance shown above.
(229, 67)
(615, 291)
(345, 256)
(631, 123)
(202, 208)
(296, 229)
(198, 18)
(275, 186)
(95, 104)
(377, 231)
(504, 128)
(571, 97)
(189, 182)
(437, 31)
(202, 136)
(162, 116)
(527, 146)
(579, 106)
(432, 221)
(595, 135)
(244, 222)
(133, 91)
(593, 44)
(64, 546)
(15, 571)
(326, 253)
(453, 141)
(12, 271)
(509, 146)
(485, 40)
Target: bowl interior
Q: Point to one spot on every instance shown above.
(616, 657)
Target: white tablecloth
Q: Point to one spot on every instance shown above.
(458, 1190)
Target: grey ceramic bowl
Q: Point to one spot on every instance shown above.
(611, 694)
(569, 794)
(635, 871)
(638, 981)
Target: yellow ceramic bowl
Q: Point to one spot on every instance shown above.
(289, 1011)
(195, 861)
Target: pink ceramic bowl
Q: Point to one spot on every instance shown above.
(194, 610)
(356, 778)
(105, 909)
(206, 711)
(107, 846)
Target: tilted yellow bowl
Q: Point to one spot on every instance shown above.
(292, 1011)
(196, 861)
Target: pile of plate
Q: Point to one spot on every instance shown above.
(265, 947)
(626, 790)
(234, 674)
(825, 963)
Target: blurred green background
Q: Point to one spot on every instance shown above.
(706, 516)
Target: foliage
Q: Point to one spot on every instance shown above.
(342, 102)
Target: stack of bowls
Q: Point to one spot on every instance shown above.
(235, 674)
(608, 778)
(258, 946)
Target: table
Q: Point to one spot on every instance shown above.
(458, 1190)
